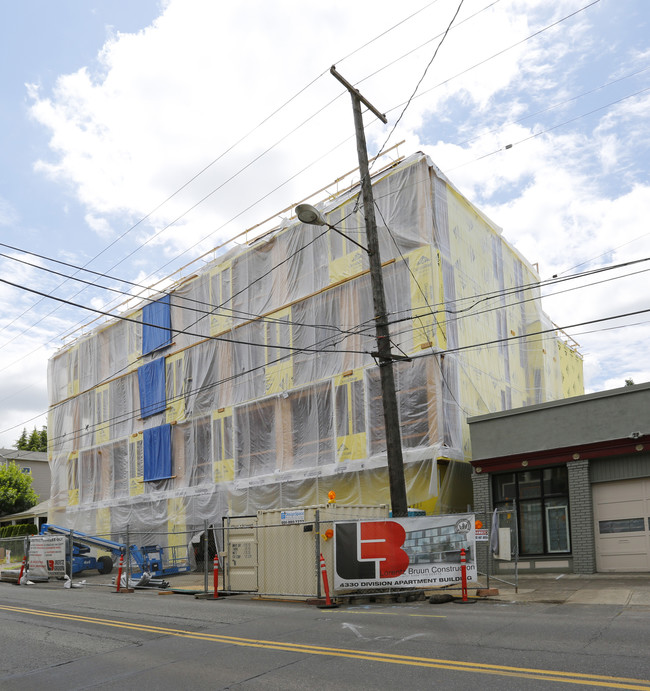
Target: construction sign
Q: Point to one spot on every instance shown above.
(47, 557)
(403, 552)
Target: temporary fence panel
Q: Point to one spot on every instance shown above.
(47, 557)
(498, 548)
(12, 550)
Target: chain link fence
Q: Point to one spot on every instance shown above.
(498, 553)
(258, 553)
(12, 550)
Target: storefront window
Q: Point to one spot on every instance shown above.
(557, 525)
(531, 527)
(556, 480)
(542, 505)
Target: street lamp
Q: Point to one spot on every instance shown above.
(310, 215)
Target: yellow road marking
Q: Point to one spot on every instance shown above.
(454, 665)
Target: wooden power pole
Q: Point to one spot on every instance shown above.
(383, 355)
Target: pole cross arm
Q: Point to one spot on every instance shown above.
(391, 357)
(357, 94)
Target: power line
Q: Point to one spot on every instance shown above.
(485, 344)
(365, 352)
(519, 337)
(224, 153)
(499, 53)
(257, 158)
(209, 311)
(550, 129)
(558, 104)
(133, 414)
(424, 74)
(171, 330)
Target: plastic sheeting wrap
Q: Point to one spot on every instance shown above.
(270, 392)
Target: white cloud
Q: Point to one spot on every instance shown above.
(163, 104)
(100, 225)
(168, 100)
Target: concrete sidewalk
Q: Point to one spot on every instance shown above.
(593, 589)
(606, 589)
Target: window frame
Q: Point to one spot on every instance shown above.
(545, 498)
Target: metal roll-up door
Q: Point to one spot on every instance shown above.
(622, 525)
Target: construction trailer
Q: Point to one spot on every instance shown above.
(249, 385)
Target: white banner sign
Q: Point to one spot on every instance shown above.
(403, 552)
(47, 557)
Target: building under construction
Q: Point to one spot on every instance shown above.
(251, 385)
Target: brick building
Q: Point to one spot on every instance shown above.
(576, 472)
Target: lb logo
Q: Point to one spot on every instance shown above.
(370, 550)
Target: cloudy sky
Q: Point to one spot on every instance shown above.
(134, 136)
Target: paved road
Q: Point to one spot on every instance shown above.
(92, 638)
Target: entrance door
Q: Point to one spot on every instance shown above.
(622, 530)
(240, 537)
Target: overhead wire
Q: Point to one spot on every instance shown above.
(549, 129)
(424, 74)
(134, 414)
(338, 351)
(499, 53)
(136, 321)
(193, 304)
(419, 316)
(553, 106)
(587, 6)
(394, 108)
(257, 158)
(453, 349)
(554, 329)
(222, 155)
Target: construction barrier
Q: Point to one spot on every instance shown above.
(463, 572)
(328, 600)
(119, 573)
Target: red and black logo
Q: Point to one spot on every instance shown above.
(370, 550)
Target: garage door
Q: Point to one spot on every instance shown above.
(622, 525)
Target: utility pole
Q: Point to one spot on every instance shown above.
(384, 357)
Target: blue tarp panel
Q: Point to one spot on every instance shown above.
(151, 382)
(157, 448)
(156, 325)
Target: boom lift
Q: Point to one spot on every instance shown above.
(147, 559)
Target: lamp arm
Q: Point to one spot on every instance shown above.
(347, 237)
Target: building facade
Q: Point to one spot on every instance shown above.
(251, 385)
(576, 473)
(32, 463)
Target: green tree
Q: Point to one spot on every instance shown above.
(43, 433)
(16, 493)
(629, 382)
(22, 442)
(36, 441)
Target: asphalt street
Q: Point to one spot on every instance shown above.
(93, 638)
